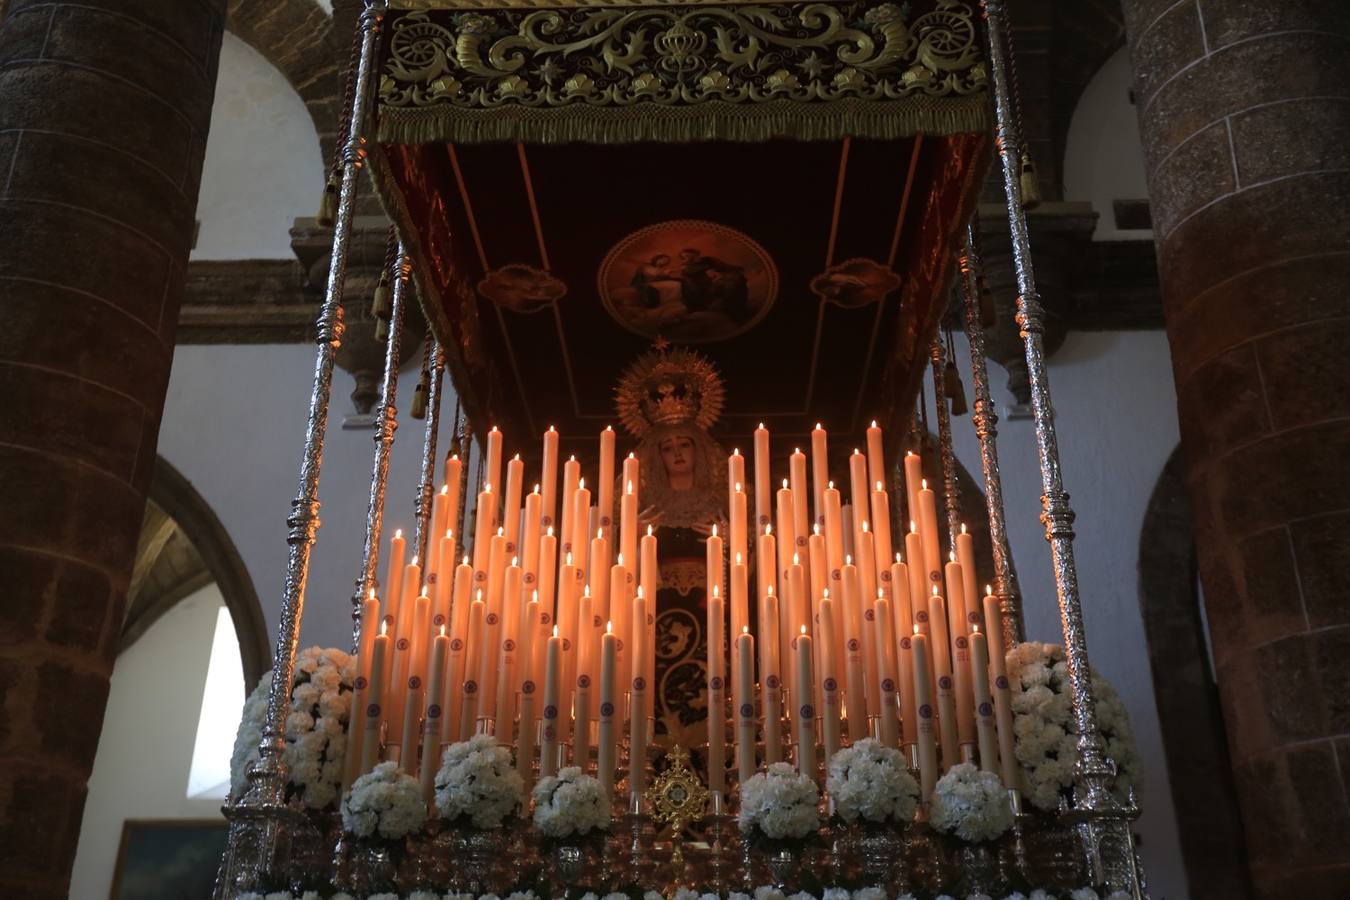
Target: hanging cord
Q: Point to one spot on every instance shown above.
(1029, 178)
(423, 390)
(328, 202)
(951, 376)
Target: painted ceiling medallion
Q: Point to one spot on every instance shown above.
(855, 283)
(521, 288)
(688, 280)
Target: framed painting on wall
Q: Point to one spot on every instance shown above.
(168, 859)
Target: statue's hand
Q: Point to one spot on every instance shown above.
(649, 516)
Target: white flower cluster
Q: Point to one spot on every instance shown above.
(761, 893)
(971, 804)
(869, 781)
(477, 780)
(1044, 726)
(569, 803)
(780, 803)
(384, 801)
(316, 726)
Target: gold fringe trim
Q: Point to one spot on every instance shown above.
(710, 121)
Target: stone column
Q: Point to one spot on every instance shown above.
(1245, 117)
(104, 107)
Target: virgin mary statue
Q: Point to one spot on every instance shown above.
(667, 400)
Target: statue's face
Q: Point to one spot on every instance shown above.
(677, 452)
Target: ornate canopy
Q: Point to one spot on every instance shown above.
(780, 184)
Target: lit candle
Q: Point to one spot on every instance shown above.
(393, 597)
(581, 703)
(507, 682)
(736, 471)
(650, 582)
(801, 500)
(881, 528)
(370, 738)
(567, 504)
(598, 577)
(515, 477)
(745, 705)
(444, 581)
(867, 581)
(965, 555)
(489, 662)
(876, 459)
(527, 732)
(928, 530)
(621, 612)
(820, 470)
(395, 688)
(806, 714)
(714, 562)
(605, 494)
(740, 610)
(459, 638)
(631, 472)
(492, 472)
(984, 706)
(717, 700)
(766, 577)
(548, 747)
(800, 618)
(412, 699)
(831, 709)
(1003, 716)
(453, 473)
(548, 502)
(946, 689)
(607, 738)
(530, 535)
(855, 696)
(819, 585)
(437, 527)
(885, 678)
(468, 707)
(739, 537)
(570, 588)
(858, 493)
(923, 691)
(637, 743)
(628, 522)
(904, 663)
(771, 685)
(913, 478)
(484, 514)
(548, 598)
(787, 598)
(965, 698)
(581, 525)
(370, 619)
(918, 579)
(763, 478)
(431, 718)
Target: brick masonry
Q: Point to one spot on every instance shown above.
(104, 109)
(1245, 123)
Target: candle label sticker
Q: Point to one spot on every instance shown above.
(870, 615)
(606, 709)
(431, 578)
(639, 683)
(509, 645)
(887, 685)
(373, 711)
(596, 622)
(747, 710)
(470, 687)
(801, 541)
(628, 576)
(510, 548)
(772, 682)
(961, 642)
(550, 732)
(618, 645)
(1001, 682)
(835, 575)
(944, 682)
(885, 574)
(567, 644)
(986, 709)
(434, 711)
(550, 711)
(457, 644)
(415, 683)
(921, 616)
(438, 621)
(715, 683)
(925, 711)
(581, 576)
(527, 686)
(830, 684)
(480, 575)
(934, 577)
(544, 618)
(492, 618)
(529, 578)
(403, 644)
(651, 620)
(906, 643)
(973, 618)
(853, 645)
(604, 521)
(546, 521)
(360, 683)
(808, 711)
(764, 520)
(820, 520)
(584, 681)
(567, 546)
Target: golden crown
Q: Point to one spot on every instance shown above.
(669, 386)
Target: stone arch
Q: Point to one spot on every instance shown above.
(177, 513)
(298, 38)
(1194, 740)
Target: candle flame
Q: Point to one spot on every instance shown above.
(549, 531)
(581, 484)
(516, 458)
(487, 488)
(768, 530)
(571, 457)
(738, 558)
(848, 559)
(454, 457)
(745, 629)
(494, 427)
(824, 593)
(609, 427)
(796, 451)
(599, 534)
(796, 559)
(899, 558)
(641, 594)
(803, 629)
(974, 627)
(830, 485)
(909, 452)
(632, 456)
(414, 560)
(880, 487)
(609, 627)
(761, 427)
(442, 631)
(555, 631)
(857, 452)
(923, 483)
(535, 599)
(649, 531)
(384, 627)
(735, 451)
(819, 427)
(916, 630)
(398, 533)
(881, 594)
(988, 590)
(769, 590)
(935, 593)
(501, 531)
(551, 428)
(816, 529)
(739, 488)
(716, 591)
(714, 529)
(864, 526)
(963, 527)
(913, 526)
(465, 561)
(445, 489)
(479, 598)
(619, 561)
(449, 534)
(874, 423)
(629, 489)
(586, 592)
(515, 560)
(536, 488)
(569, 557)
(951, 556)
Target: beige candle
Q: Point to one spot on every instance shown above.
(786, 533)
(444, 582)
(605, 493)
(531, 533)
(876, 458)
(859, 495)
(918, 580)
(965, 555)
(484, 513)
(965, 698)
(453, 470)
(885, 677)
(567, 505)
(628, 523)
(831, 709)
(766, 577)
(735, 471)
(570, 590)
(431, 717)
(548, 746)
(714, 561)
(548, 497)
(881, 528)
(459, 637)
(855, 695)
(581, 699)
(717, 697)
(527, 733)
(820, 471)
(913, 478)
(598, 577)
(740, 611)
(985, 731)
(621, 614)
(637, 725)
(370, 738)
(739, 536)
(771, 684)
(923, 691)
(412, 698)
(370, 618)
(436, 527)
(508, 657)
(609, 727)
(492, 471)
(928, 530)
(468, 706)
(801, 501)
(393, 595)
(763, 479)
(806, 713)
(816, 575)
(515, 478)
(489, 662)
(650, 582)
(745, 705)
(396, 687)
(946, 688)
(548, 599)
(1003, 717)
(904, 661)
(581, 526)
(867, 582)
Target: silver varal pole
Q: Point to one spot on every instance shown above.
(950, 488)
(385, 427)
(426, 484)
(260, 822)
(1103, 821)
(985, 418)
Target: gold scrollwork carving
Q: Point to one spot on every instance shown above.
(589, 59)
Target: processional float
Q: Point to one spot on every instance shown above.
(791, 185)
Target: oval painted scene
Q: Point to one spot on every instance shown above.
(688, 280)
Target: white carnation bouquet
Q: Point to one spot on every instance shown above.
(570, 803)
(478, 783)
(780, 804)
(971, 804)
(316, 727)
(1044, 726)
(869, 781)
(385, 802)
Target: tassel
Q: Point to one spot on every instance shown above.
(328, 204)
(382, 303)
(381, 331)
(1031, 184)
(988, 311)
(954, 389)
(419, 401)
